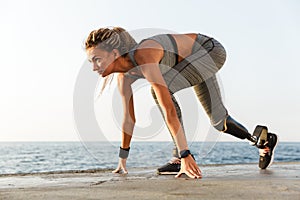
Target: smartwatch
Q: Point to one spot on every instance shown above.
(184, 153)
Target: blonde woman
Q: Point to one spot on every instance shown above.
(170, 63)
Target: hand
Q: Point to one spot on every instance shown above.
(121, 169)
(189, 167)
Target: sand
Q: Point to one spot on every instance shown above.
(280, 181)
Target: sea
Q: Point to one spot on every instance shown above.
(34, 157)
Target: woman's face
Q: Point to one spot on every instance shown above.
(101, 59)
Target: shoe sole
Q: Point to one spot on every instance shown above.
(273, 151)
(167, 173)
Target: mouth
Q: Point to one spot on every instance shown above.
(100, 72)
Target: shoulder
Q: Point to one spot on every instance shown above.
(149, 51)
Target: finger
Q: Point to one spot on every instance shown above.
(179, 174)
(198, 175)
(189, 174)
(123, 167)
(197, 171)
(116, 171)
(195, 174)
(194, 169)
(125, 171)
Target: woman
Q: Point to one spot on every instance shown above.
(170, 62)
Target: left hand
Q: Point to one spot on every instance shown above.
(189, 167)
(121, 166)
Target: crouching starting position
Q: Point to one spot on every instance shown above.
(170, 63)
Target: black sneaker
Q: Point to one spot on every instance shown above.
(266, 157)
(173, 166)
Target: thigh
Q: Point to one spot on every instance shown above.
(209, 95)
(203, 64)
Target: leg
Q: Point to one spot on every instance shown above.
(174, 164)
(178, 111)
(209, 95)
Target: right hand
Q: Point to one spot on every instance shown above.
(121, 169)
(189, 167)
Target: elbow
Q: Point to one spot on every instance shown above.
(128, 126)
(129, 121)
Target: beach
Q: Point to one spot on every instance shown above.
(238, 181)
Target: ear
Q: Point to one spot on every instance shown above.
(116, 53)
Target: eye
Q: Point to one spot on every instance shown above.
(98, 61)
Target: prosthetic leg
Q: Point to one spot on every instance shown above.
(232, 127)
(264, 141)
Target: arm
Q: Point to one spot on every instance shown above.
(148, 58)
(124, 85)
(153, 75)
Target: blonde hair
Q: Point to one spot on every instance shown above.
(109, 39)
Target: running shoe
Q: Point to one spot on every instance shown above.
(173, 166)
(266, 154)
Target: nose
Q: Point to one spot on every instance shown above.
(95, 67)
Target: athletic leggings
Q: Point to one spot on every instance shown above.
(198, 71)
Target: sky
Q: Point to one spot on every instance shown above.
(42, 56)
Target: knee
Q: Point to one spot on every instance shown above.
(220, 54)
(219, 126)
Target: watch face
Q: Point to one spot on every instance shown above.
(184, 153)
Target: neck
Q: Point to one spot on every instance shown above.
(124, 64)
(121, 65)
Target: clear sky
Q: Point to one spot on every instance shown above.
(41, 55)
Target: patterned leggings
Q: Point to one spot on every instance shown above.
(198, 71)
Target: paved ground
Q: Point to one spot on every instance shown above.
(280, 181)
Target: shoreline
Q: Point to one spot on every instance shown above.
(234, 181)
(75, 171)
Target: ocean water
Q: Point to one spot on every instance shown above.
(31, 157)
